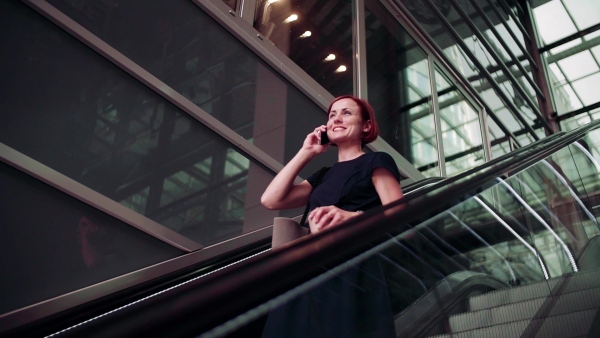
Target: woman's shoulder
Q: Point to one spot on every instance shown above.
(379, 156)
(381, 159)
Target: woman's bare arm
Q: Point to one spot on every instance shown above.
(387, 188)
(282, 193)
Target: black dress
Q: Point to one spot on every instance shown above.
(354, 303)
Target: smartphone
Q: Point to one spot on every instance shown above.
(324, 138)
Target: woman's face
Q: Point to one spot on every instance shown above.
(345, 123)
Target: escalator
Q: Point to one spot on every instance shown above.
(508, 249)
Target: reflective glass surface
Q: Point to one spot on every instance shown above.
(509, 33)
(500, 143)
(580, 120)
(400, 90)
(52, 244)
(191, 53)
(316, 35)
(557, 19)
(573, 65)
(574, 73)
(461, 130)
(77, 113)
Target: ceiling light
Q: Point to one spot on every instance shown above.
(330, 57)
(306, 34)
(341, 69)
(291, 18)
(271, 1)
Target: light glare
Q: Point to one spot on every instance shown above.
(341, 69)
(306, 34)
(291, 18)
(330, 57)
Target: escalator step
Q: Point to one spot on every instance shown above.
(571, 325)
(526, 310)
(579, 281)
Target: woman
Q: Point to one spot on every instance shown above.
(358, 181)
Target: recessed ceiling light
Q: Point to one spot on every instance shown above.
(306, 34)
(291, 18)
(341, 69)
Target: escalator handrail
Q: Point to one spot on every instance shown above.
(231, 292)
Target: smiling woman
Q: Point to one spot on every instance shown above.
(356, 182)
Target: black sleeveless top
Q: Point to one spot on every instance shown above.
(349, 186)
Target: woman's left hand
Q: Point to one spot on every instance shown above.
(324, 217)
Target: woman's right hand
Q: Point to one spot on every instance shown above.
(312, 142)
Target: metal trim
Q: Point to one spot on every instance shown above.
(95, 199)
(436, 117)
(247, 10)
(360, 50)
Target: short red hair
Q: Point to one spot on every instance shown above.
(367, 113)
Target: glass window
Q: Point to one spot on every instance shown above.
(578, 65)
(574, 73)
(580, 120)
(77, 113)
(585, 13)
(400, 90)
(461, 130)
(53, 244)
(170, 38)
(553, 21)
(316, 35)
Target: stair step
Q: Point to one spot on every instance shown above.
(571, 325)
(526, 310)
(578, 281)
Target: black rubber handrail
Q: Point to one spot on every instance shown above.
(201, 305)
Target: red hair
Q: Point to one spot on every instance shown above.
(367, 113)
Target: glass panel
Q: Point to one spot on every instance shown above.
(587, 89)
(499, 141)
(169, 39)
(75, 112)
(491, 240)
(400, 90)
(550, 191)
(585, 13)
(461, 131)
(463, 64)
(527, 212)
(583, 170)
(580, 120)
(578, 65)
(316, 35)
(574, 72)
(553, 21)
(53, 244)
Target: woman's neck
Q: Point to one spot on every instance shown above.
(347, 153)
